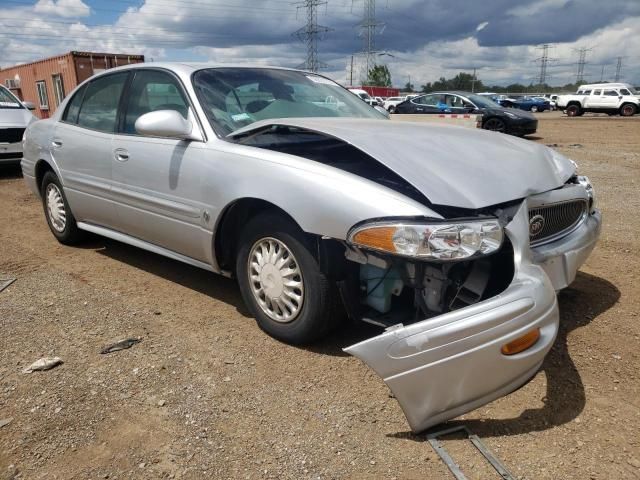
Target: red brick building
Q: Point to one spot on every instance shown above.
(46, 82)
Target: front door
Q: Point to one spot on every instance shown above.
(89, 120)
(156, 181)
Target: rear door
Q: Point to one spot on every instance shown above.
(431, 103)
(611, 98)
(81, 147)
(157, 182)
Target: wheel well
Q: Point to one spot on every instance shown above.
(574, 103)
(629, 103)
(42, 167)
(233, 219)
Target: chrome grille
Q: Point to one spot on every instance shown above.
(552, 221)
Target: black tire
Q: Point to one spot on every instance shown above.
(70, 234)
(573, 110)
(392, 109)
(495, 124)
(320, 305)
(628, 110)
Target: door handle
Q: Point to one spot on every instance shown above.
(121, 154)
(56, 143)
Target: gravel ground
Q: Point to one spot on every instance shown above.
(207, 395)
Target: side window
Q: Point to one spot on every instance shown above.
(610, 93)
(99, 110)
(586, 92)
(596, 93)
(73, 107)
(625, 92)
(153, 90)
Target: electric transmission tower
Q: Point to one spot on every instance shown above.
(618, 69)
(544, 63)
(311, 33)
(582, 61)
(369, 28)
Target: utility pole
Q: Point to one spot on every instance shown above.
(582, 61)
(602, 74)
(351, 73)
(311, 33)
(618, 69)
(369, 29)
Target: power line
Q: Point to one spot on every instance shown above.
(582, 61)
(618, 69)
(369, 29)
(311, 33)
(544, 63)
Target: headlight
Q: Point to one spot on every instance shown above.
(437, 241)
(591, 193)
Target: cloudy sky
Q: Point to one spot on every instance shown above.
(424, 39)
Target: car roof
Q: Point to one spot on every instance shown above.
(190, 67)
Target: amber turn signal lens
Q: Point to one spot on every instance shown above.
(380, 238)
(520, 344)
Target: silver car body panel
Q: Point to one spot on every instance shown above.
(445, 169)
(168, 196)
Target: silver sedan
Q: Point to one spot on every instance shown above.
(453, 241)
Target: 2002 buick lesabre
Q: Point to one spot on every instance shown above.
(453, 240)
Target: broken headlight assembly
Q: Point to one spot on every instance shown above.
(586, 183)
(431, 241)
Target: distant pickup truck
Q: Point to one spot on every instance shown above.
(611, 98)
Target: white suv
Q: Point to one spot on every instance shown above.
(611, 98)
(14, 119)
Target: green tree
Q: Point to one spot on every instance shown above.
(408, 87)
(379, 76)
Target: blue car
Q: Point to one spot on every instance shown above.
(531, 104)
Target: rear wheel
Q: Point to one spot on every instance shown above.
(495, 124)
(281, 281)
(61, 221)
(392, 109)
(628, 110)
(534, 108)
(574, 110)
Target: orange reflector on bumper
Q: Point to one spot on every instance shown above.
(520, 344)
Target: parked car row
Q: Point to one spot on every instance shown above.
(452, 241)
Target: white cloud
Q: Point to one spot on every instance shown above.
(63, 8)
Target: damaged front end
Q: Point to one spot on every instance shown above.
(460, 331)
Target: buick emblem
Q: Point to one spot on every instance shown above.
(536, 224)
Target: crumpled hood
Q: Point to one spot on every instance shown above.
(15, 117)
(453, 166)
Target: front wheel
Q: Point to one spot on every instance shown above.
(495, 124)
(627, 110)
(61, 221)
(281, 281)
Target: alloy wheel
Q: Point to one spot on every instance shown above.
(276, 279)
(495, 124)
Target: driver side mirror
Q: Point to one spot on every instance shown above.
(168, 124)
(29, 105)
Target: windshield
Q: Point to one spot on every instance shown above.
(233, 98)
(7, 100)
(482, 102)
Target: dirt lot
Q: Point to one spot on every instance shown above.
(207, 395)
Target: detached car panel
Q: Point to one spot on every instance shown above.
(453, 241)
